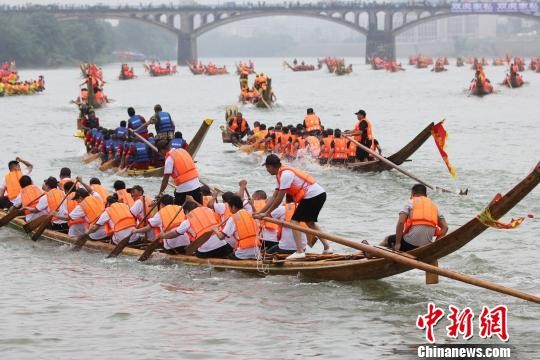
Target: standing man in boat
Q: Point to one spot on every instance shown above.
(306, 193)
(180, 166)
(239, 127)
(419, 221)
(163, 123)
(10, 187)
(363, 133)
(312, 123)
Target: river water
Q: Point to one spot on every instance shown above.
(63, 305)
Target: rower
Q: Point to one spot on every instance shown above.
(137, 123)
(115, 222)
(122, 131)
(312, 123)
(338, 149)
(239, 127)
(163, 123)
(123, 195)
(200, 220)
(99, 189)
(28, 198)
(50, 202)
(240, 231)
(10, 187)
(138, 209)
(92, 122)
(65, 176)
(83, 213)
(363, 133)
(178, 142)
(268, 231)
(419, 221)
(180, 165)
(163, 218)
(306, 193)
(139, 157)
(286, 243)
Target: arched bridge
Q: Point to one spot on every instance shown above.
(380, 23)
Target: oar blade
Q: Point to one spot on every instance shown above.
(119, 247)
(149, 250)
(10, 216)
(34, 224)
(80, 243)
(42, 228)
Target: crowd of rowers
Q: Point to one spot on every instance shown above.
(10, 83)
(308, 139)
(236, 227)
(124, 144)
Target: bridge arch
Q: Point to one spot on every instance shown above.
(232, 18)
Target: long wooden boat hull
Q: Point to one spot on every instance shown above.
(399, 157)
(334, 267)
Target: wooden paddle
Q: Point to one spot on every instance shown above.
(90, 157)
(125, 241)
(30, 226)
(400, 169)
(155, 244)
(200, 241)
(109, 164)
(413, 263)
(15, 212)
(150, 145)
(49, 217)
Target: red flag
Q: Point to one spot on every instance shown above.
(487, 219)
(440, 135)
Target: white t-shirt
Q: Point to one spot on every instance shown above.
(213, 243)
(43, 206)
(287, 239)
(117, 235)
(180, 240)
(221, 210)
(29, 217)
(184, 187)
(288, 178)
(230, 231)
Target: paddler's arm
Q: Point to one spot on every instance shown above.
(29, 166)
(86, 186)
(92, 229)
(242, 188)
(277, 199)
(444, 227)
(142, 230)
(164, 183)
(399, 230)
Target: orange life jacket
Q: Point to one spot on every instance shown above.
(63, 181)
(312, 122)
(93, 208)
(326, 151)
(296, 192)
(243, 125)
(369, 130)
(201, 220)
(13, 188)
(71, 204)
(314, 145)
(54, 198)
(168, 220)
(184, 166)
(103, 193)
(146, 202)
(351, 149)
(423, 212)
(283, 142)
(289, 148)
(246, 229)
(120, 216)
(125, 197)
(340, 149)
(221, 218)
(259, 204)
(30, 196)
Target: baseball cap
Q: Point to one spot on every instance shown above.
(272, 159)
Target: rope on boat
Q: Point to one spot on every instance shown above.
(261, 266)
